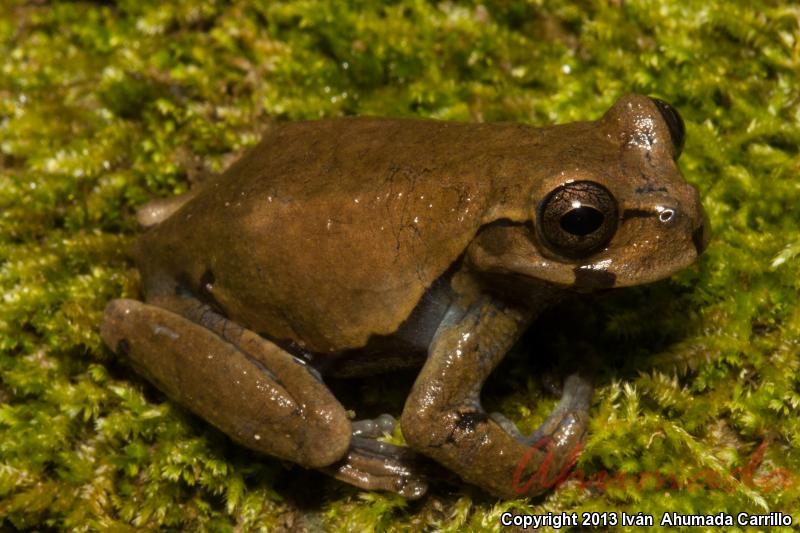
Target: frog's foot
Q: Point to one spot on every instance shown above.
(252, 390)
(568, 417)
(373, 465)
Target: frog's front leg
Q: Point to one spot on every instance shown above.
(444, 420)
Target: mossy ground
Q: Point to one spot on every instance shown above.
(104, 105)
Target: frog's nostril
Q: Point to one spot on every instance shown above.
(666, 215)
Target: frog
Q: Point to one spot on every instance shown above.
(358, 246)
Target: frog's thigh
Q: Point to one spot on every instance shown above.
(444, 420)
(251, 389)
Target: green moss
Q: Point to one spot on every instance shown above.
(105, 105)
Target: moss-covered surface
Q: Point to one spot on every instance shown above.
(104, 105)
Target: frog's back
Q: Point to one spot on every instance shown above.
(331, 231)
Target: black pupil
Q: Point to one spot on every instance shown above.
(581, 220)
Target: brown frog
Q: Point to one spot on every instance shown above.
(353, 246)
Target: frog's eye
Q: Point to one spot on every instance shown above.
(577, 219)
(677, 129)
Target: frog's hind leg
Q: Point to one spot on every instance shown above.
(249, 388)
(367, 464)
(258, 394)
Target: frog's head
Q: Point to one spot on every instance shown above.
(618, 214)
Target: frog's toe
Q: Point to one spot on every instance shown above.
(372, 428)
(564, 430)
(373, 465)
(509, 426)
(570, 416)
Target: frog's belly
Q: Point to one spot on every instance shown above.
(406, 348)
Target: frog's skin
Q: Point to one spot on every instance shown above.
(356, 245)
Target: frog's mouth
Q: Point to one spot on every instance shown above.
(649, 245)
